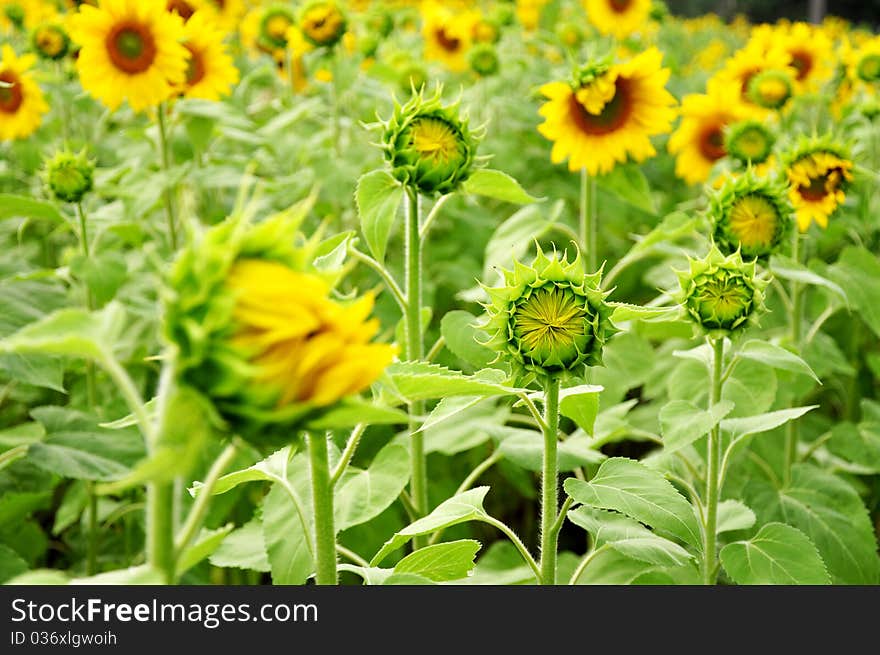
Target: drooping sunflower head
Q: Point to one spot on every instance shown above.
(770, 89)
(751, 215)
(69, 176)
(322, 23)
(50, 41)
(749, 142)
(620, 18)
(429, 146)
(129, 51)
(549, 316)
(819, 171)
(210, 72)
(21, 101)
(258, 333)
(721, 295)
(484, 60)
(607, 113)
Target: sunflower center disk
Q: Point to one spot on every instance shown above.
(723, 302)
(817, 189)
(620, 6)
(11, 96)
(195, 68)
(753, 221)
(49, 41)
(613, 116)
(433, 139)
(446, 41)
(131, 48)
(712, 143)
(802, 62)
(548, 324)
(752, 145)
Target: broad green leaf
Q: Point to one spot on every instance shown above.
(739, 428)
(243, 548)
(631, 488)
(628, 537)
(407, 579)
(272, 468)
(103, 273)
(682, 423)
(460, 423)
(72, 506)
(288, 526)
(778, 554)
(38, 370)
(512, 239)
(775, 356)
(623, 312)
(672, 228)
(422, 381)
(465, 340)
(363, 494)
(751, 387)
(441, 562)
(787, 269)
(611, 567)
(448, 408)
(525, 448)
(831, 514)
(581, 405)
(496, 184)
(378, 197)
(351, 411)
(628, 359)
(734, 515)
(12, 565)
(466, 506)
(859, 444)
(857, 271)
(12, 206)
(206, 543)
(629, 183)
(371, 575)
(135, 575)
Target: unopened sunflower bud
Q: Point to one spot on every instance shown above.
(550, 316)
(69, 176)
(484, 60)
(429, 146)
(322, 23)
(770, 89)
(751, 215)
(722, 295)
(50, 41)
(749, 142)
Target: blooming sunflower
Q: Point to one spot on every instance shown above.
(748, 62)
(608, 113)
(211, 73)
(447, 35)
(21, 102)
(809, 49)
(819, 171)
(130, 50)
(50, 41)
(619, 18)
(863, 62)
(699, 140)
(184, 8)
(25, 14)
(227, 13)
(322, 23)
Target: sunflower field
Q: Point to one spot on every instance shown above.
(376, 292)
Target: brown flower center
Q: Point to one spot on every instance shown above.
(711, 143)
(11, 97)
(613, 116)
(131, 47)
(446, 41)
(620, 6)
(818, 187)
(184, 9)
(802, 62)
(195, 70)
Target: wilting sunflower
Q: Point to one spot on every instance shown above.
(322, 23)
(699, 140)
(751, 215)
(819, 171)
(21, 102)
(130, 50)
(447, 35)
(210, 73)
(50, 41)
(619, 18)
(608, 113)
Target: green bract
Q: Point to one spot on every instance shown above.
(429, 146)
(751, 215)
(70, 176)
(722, 295)
(749, 142)
(550, 316)
(198, 311)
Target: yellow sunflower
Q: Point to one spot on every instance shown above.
(863, 63)
(21, 102)
(810, 51)
(609, 114)
(818, 174)
(184, 8)
(748, 62)
(619, 18)
(699, 140)
(25, 14)
(211, 73)
(447, 35)
(130, 50)
(227, 13)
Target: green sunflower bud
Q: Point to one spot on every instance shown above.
(484, 60)
(69, 176)
(659, 11)
(570, 35)
(751, 215)
(722, 295)
(413, 77)
(770, 89)
(15, 13)
(749, 142)
(549, 317)
(381, 23)
(429, 146)
(868, 68)
(322, 23)
(274, 24)
(50, 41)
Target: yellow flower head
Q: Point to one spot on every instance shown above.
(448, 35)
(818, 173)
(863, 62)
(810, 51)
(608, 113)
(226, 13)
(184, 8)
(21, 102)
(211, 73)
(750, 61)
(130, 50)
(619, 18)
(50, 41)
(699, 140)
(322, 23)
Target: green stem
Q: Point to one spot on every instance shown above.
(791, 429)
(92, 546)
(167, 194)
(322, 502)
(160, 493)
(713, 456)
(516, 541)
(415, 352)
(550, 482)
(587, 228)
(348, 453)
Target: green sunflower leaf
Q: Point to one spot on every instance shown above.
(778, 554)
(499, 185)
(378, 197)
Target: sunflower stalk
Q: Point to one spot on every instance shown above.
(796, 295)
(322, 504)
(161, 499)
(713, 469)
(168, 192)
(588, 230)
(550, 482)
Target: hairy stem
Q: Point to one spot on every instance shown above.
(713, 456)
(322, 500)
(550, 482)
(167, 195)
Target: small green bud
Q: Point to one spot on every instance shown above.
(484, 60)
(770, 89)
(69, 176)
(749, 142)
(50, 41)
